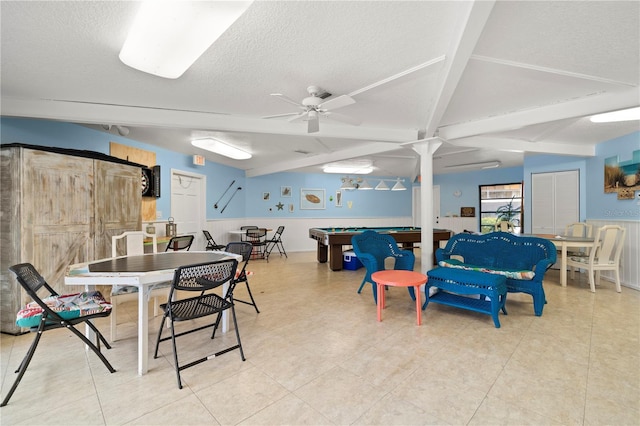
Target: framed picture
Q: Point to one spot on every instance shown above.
(467, 212)
(266, 196)
(338, 198)
(312, 199)
(285, 191)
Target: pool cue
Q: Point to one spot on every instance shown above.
(215, 206)
(232, 195)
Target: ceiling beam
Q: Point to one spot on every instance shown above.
(95, 113)
(459, 53)
(344, 154)
(585, 106)
(510, 144)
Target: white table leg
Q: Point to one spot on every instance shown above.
(143, 330)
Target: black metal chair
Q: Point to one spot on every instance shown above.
(41, 316)
(199, 279)
(211, 243)
(244, 249)
(182, 242)
(243, 236)
(276, 242)
(257, 238)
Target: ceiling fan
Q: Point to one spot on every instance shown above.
(315, 106)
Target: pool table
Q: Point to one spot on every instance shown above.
(331, 240)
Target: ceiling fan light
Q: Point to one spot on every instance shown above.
(615, 116)
(398, 186)
(221, 148)
(167, 37)
(382, 186)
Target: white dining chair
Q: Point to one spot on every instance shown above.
(604, 256)
(134, 245)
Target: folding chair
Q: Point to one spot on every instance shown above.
(182, 242)
(257, 238)
(244, 249)
(199, 279)
(56, 311)
(243, 236)
(276, 241)
(211, 244)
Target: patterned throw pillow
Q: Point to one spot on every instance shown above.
(68, 306)
(513, 274)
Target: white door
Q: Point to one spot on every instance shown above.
(188, 205)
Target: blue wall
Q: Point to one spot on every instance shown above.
(467, 183)
(248, 202)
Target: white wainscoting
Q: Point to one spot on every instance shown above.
(296, 231)
(630, 270)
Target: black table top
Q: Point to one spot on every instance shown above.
(156, 261)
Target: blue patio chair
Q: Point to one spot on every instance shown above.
(372, 248)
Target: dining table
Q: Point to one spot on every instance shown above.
(142, 271)
(563, 243)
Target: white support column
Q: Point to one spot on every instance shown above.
(426, 148)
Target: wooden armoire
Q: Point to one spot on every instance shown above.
(59, 207)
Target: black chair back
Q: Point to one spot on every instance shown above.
(182, 242)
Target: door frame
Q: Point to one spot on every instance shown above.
(202, 202)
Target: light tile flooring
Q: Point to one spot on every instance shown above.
(316, 355)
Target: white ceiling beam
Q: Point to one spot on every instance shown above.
(93, 113)
(585, 106)
(459, 53)
(344, 154)
(518, 145)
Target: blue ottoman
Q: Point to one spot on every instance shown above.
(454, 283)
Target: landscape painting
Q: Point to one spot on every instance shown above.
(622, 176)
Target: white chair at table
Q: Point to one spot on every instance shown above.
(578, 229)
(605, 255)
(504, 226)
(134, 241)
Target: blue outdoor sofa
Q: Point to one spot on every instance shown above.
(522, 260)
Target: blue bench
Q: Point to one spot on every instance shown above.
(453, 283)
(522, 260)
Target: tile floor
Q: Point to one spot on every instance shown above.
(317, 356)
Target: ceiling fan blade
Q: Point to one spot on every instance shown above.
(341, 117)
(335, 103)
(281, 115)
(313, 125)
(286, 99)
(299, 116)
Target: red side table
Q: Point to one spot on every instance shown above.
(399, 278)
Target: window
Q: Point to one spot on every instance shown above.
(501, 202)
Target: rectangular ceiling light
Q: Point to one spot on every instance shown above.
(167, 37)
(484, 165)
(221, 148)
(615, 116)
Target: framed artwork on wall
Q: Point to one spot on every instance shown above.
(312, 199)
(285, 191)
(338, 198)
(266, 196)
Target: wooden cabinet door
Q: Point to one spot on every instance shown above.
(57, 213)
(118, 199)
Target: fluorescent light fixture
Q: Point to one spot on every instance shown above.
(221, 148)
(614, 116)
(398, 186)
(348, 169)
(167, 37)
(484, 165)
(382, 186)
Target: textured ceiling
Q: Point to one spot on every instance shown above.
(493, 80)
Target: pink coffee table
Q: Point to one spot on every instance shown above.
(399, 278)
